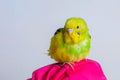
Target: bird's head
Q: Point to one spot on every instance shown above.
(75, 30)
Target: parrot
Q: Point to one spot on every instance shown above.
(70, 43)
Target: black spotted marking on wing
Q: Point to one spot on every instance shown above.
(57, 31)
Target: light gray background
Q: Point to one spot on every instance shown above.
(26, 27)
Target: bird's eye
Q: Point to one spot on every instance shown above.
(77, 27)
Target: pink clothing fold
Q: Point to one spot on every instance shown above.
(84, 70)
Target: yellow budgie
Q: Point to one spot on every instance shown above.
(71, 43)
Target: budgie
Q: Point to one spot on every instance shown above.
(72, 42)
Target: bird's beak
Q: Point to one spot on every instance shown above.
(69, 30)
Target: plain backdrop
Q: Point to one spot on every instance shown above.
(26, 27)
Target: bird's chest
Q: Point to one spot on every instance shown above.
(71, 49)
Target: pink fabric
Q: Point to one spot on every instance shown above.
(84, 70)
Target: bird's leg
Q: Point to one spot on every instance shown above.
(69, 63)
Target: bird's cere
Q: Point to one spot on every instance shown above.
(70, 30)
